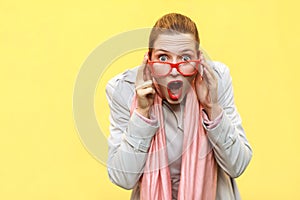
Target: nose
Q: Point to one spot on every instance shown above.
(174, 72)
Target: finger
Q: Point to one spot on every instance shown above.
(145, 92)
(140, 72)
(149, 90)
(207, 75)
(147, 73)
(204, 64)
(199, 78)
(144, 65)
(208, 69)
(200, 70)
(151, 93)
(209, 78)
(144, 85)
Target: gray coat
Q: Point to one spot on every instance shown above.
(130, 137)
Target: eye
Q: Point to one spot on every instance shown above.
(163, 58)
(186, 58)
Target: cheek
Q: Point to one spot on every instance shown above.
(188, 82)
(161, 82)
(160, 86)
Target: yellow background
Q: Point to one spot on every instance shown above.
(44, 43)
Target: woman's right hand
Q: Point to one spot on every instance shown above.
(144, 89)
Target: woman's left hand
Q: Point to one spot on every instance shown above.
(207, 90)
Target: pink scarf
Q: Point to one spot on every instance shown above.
(198, 180)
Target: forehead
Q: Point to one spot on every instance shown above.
(175, 42)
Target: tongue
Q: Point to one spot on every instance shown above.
(175, 90)
(174, 94)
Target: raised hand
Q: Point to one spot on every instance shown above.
(144, 89)
(207, 89)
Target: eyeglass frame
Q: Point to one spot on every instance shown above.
(173, 65)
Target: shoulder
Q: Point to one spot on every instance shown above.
(121, 87)
(127, 76)
(220, 69)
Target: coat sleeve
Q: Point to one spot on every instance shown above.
(130, 136)
(231, 147)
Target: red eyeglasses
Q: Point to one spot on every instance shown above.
(185, 68)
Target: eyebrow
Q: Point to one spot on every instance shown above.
(160, 50)
(187, 50)
(183, 51)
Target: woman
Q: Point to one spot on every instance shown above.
(175, 132)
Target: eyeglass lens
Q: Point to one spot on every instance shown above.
(163, 69)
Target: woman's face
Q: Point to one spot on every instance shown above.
(174, 48)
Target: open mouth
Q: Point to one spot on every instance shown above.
(175, 89)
